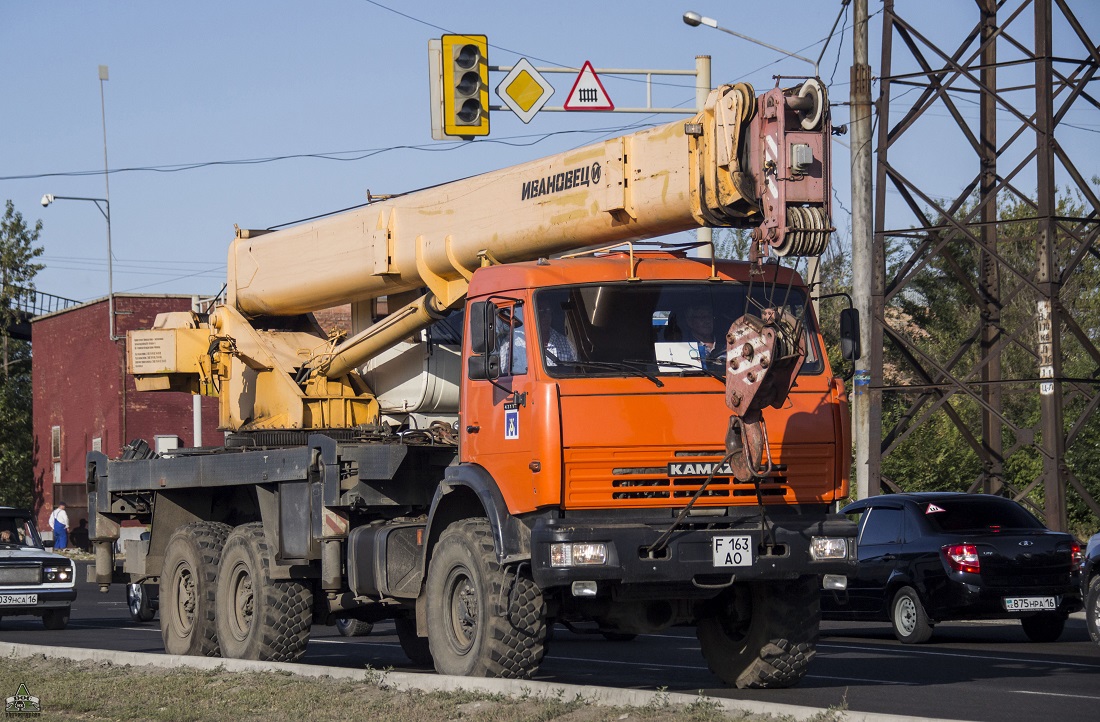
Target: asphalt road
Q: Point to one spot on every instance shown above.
(971, 671)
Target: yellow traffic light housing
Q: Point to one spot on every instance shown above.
(465, 89)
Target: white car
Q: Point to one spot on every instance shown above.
(33, 581)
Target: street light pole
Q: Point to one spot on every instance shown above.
(105, 210)
(694, 19)
(103, 75)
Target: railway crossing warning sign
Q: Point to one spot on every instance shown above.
(588, 92)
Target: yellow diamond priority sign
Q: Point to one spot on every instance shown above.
(524, 90)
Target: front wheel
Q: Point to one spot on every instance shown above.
(258, 617)
(1044, 626)
(483, 620)
(56, 618)
(910, 621)
(1092, 610)
(762, 635)
(353, 627)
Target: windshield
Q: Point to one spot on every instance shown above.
(968, 514)
(655, 328)
(18, 532)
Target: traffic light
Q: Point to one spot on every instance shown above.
(465, 88)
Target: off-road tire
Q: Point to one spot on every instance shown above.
(353, 627)
(416, 648)
(56, 618)
(483, 620)
(1092, 609)
(1044, 626)
(762, 635)
(137, 599)
(258, 617)
(191, 559)
(908, 618)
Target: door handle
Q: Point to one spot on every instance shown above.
(472, 429)
(889, 557)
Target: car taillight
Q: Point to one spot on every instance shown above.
(1075, 555)
(962, 558)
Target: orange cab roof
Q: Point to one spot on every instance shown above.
(616, 266)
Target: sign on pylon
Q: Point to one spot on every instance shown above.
(588, 92)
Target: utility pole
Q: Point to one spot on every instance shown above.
(863, 412)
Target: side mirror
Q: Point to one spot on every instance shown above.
(849, 334)
(483, 334)
(484, 362)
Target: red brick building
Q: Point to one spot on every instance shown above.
(84, 399)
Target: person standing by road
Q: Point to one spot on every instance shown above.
(59, 524)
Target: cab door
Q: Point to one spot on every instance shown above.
(499, 428)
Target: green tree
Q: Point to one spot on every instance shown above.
(938, 314)
(18, 250)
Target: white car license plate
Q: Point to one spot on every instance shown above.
(1025, 604)
(732, 551)
(13, 599)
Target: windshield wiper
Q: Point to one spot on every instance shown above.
(617, 366)
(680, 365)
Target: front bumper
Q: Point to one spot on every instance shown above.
(781, 550)
(48, 598)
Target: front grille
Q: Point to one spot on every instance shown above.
(685, 488)
(23, 574)
(604, 478)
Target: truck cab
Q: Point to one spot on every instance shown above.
(594, 399)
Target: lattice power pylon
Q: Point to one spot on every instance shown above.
(1018, 379)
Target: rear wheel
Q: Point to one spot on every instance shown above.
(137, 599)
(353, 627)
(258, 617)
(416, 648)
(187, 589)
(482, 620)
(910, 621)
(56, 618)
(1044, 626)
(1092, 610)
(762, 635)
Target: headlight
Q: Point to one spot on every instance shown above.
(578, 554)
(57, 574)
(828, 547)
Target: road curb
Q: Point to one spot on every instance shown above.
(408, 681)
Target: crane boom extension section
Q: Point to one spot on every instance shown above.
(536, 426)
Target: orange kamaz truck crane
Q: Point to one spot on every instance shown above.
(528, 431)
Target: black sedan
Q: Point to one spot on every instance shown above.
(931, 557)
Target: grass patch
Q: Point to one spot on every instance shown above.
(71, 690)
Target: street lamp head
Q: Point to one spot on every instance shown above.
(694, 19)
(47, 199)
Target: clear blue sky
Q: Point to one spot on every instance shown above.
(214, 82)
